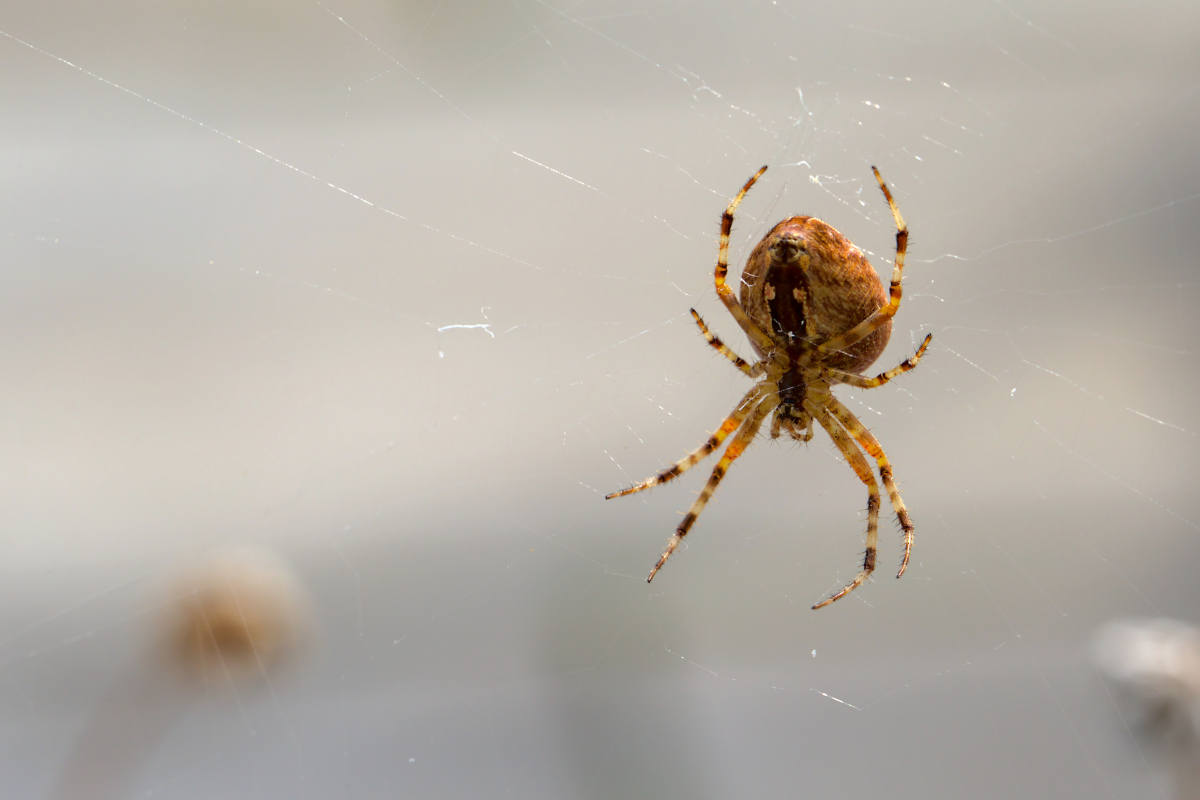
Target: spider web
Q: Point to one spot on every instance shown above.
(401, 291)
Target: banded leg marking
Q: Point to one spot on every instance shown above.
(736, 448)
(873, 448)
(861, 468)
(761, 339)
(872, 323)
(851, 379)
(723, 349)
(730, 424)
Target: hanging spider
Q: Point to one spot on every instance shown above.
(817, 315)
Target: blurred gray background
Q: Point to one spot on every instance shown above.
(400, 290)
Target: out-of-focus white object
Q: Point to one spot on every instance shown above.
(228, 622)
(1155, 665)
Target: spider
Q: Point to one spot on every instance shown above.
(817, 315)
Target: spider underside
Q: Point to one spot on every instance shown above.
(817, 316)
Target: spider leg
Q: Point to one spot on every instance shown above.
(757, 336)
(871, 445)
(872, 323)
(837, 376)
(723, 349)
(731, 423)
(736, 448)
(856, 460)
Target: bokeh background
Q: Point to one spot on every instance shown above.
(399, 291)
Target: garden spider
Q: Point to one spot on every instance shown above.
(816, 314)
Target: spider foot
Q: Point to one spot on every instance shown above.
(850, 587)
(674, 543)
(908, 543)
(868, 568)
(637, 487)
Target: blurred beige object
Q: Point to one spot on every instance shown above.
(237, 617)
(1155, 665)
(229, 623)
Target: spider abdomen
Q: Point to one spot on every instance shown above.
(805, 282)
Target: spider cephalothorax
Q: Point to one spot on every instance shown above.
(817, 315)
